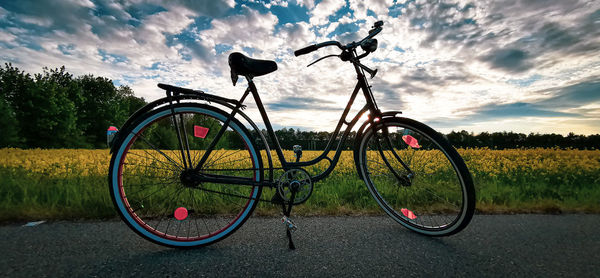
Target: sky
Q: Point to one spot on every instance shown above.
(522, 66)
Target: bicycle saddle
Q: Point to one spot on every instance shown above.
(241, 64)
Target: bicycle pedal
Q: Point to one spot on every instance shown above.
(289, 224)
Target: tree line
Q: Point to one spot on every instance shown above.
(54, 109)
(310, 140)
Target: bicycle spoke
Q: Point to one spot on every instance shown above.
(241, 159)
(210, 165)
(155, 159)
(148, 166)
(160, 152)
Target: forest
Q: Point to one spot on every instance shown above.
(55, 109)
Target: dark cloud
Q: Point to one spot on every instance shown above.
(492, 112)
(551, 35)
(493, 27)
(517, 109)
(548, 39)
(61, 15)
(445, 21)
(302, 103)
(405, 86)
(572, 96)
(103, 15)
(454, 72)
(576, 95)
(513, 60)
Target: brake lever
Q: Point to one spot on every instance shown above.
(332, 55)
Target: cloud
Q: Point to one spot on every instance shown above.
(242, 30)
(577, 95)
(321, 12)
(302, 103)
(517, 110)
(513, 60)
(475, 64)
(208, 8)
(64, 15)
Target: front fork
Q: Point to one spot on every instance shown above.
(404, 180)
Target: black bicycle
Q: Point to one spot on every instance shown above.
(186, 171)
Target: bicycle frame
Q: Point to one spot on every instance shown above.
(375, 116)
(286, 165)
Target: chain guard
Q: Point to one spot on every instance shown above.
(297, 179)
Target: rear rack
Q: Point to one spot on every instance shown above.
(198, 94)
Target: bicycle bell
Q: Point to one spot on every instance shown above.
(369, 45)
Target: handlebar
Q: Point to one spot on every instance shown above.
(305, 50)
(314, 47)
(376, 29)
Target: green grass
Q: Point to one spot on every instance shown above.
(25, 195)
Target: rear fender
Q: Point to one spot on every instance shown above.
(136, 117)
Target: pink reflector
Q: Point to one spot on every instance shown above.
(200, 131)
(181, 213)
(408, 213)
(111, 128)
(411, 141)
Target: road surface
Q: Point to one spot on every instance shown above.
(492, 246)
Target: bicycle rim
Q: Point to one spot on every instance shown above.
(437, 199)
(147, 187)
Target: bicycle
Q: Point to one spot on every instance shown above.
(185, 173)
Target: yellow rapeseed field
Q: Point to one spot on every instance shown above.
(64, 183)
(481, 162)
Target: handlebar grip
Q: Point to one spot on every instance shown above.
(306, 50)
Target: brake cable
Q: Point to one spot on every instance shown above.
(328, 56)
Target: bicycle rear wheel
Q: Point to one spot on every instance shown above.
(147, 176)
(417, 177)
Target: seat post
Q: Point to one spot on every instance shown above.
(267, 122)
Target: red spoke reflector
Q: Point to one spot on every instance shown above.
(200, 131)
(181, 213)
(411, 141)
(408, 213)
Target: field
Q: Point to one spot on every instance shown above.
(67, 184)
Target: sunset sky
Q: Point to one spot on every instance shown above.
(523, 66)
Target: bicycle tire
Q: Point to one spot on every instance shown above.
(439, 199)
(145, 161)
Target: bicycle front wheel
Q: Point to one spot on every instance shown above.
(148, 182)
(417, 177)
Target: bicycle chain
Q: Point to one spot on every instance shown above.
(232, 195)
(240, 196)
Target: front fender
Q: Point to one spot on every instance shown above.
(359, 135)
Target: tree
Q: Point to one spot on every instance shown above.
(45, 111)
(11, 81)
(9, 124)
(102, 106)
(129, 103)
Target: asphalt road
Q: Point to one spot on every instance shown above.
(492, 246)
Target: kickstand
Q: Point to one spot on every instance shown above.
(290, 226)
